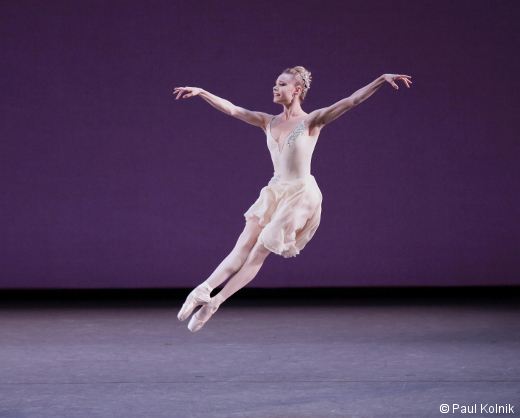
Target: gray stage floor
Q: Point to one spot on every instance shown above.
(261, 359)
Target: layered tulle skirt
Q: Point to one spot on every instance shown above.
(290, 213)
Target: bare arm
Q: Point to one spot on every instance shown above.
(321, 117)
(254, 118)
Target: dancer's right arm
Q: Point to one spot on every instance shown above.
(254, 118)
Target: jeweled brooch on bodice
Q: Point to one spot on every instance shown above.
(295, 134)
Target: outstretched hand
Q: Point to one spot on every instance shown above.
(392, 78)
(186, 92)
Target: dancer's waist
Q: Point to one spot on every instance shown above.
(280, 178)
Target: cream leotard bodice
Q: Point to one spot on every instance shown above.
(292, 158)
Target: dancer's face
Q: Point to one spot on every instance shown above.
(285, 89)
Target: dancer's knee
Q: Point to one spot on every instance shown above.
(258, 253)
(237, 259)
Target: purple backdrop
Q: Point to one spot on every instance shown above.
(107, 181)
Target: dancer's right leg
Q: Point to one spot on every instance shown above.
(236, 259)
(231, 264)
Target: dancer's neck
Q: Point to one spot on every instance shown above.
(292, 110)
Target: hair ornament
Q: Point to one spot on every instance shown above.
(305, 77)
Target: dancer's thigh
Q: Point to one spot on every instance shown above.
(249, 235)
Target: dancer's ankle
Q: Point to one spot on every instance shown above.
(207, 286)
(219, 298)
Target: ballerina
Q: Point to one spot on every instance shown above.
(287, 213)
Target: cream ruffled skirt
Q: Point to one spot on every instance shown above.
(290, 213)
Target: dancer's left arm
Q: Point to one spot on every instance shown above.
(321, 117)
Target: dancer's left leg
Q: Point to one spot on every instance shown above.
(249, 270)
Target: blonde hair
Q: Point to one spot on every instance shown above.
(303, 79)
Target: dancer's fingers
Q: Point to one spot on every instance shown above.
(183, 91)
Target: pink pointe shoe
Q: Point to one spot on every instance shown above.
(205, 312)
(198, 296)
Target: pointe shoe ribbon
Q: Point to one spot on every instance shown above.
(199, 296)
